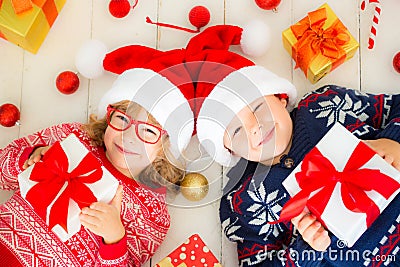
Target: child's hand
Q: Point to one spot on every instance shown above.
(388, 149)
(36, 156)
(104, 219)
(312, 231)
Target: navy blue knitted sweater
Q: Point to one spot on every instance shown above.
(254, 194)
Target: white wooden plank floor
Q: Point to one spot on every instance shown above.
(27, 80)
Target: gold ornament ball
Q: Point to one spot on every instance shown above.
(194, 186)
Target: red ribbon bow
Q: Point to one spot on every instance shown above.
(318, 173)
(52, 174)
(313, 39)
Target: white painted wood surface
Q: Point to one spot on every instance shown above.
(28, 80)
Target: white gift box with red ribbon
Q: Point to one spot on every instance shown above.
(344, 183)
(68, 178)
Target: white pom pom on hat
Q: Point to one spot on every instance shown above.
(256, 38)
(89, 59)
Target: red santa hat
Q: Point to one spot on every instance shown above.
(226, 83)
(158, 82)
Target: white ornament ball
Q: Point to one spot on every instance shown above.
(89, 59)
(256, 38)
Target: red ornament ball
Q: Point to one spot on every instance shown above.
(268, 4)
(119, 8)
(199, 16)
(9, 115)
(396, 62)
(67, 82)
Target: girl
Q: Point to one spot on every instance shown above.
(133, 145)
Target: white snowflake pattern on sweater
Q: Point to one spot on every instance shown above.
(265, 208)
(337, 108)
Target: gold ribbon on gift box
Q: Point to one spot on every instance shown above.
(27, 22)
(319, 43)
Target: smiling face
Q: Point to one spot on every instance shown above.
(261, 131)
(129, 154)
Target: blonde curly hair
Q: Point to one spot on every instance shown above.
(165, 170)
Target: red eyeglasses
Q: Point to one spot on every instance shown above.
(120, 121)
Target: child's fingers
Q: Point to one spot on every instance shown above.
(377, 149)
(92, 217)
(306, 222)
(87, 224)
(389, 159)
(370, 143)
(92, 212)
(88, 219)
(29, 162)
(117, 200)
(100, 207)
(317, 236)
(295, 220)
(36, 158)
(25, 165)
(310, 232)
(322, 240)
(396, 164)
(44, 150)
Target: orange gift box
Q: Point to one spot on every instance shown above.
(193, 252)
(319, 43)
(26, 23)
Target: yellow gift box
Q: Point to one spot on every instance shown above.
(319, 43)
(28, 26)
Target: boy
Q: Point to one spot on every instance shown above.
(249, 115)
(265, 132)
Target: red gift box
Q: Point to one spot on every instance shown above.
(193, 252)
(345, 189)
(67, 179)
